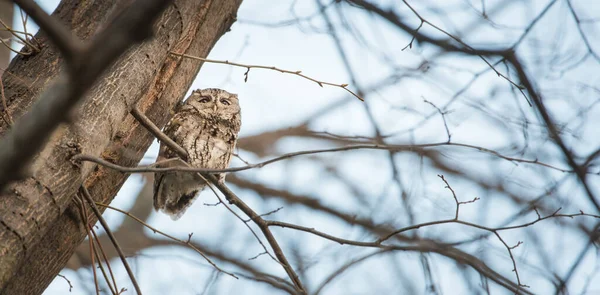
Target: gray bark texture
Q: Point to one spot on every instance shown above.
(40, 226)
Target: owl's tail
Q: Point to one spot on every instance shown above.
(174, 192)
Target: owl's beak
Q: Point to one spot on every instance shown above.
(215, 108)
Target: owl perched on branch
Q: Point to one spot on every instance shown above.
(206, 125)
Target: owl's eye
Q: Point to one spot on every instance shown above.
(204, 99)
(225, 102)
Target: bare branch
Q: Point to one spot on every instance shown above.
(68, 282)
(114, 241)
(443, 114)
(138, 115)
(183, 242)
(248, 67)
(388, 147)
(581, 33)
(345, 267)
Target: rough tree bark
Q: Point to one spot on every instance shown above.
(39, 225)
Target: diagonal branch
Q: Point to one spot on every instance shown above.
(138, 115)
(236, 201)
(580, 170)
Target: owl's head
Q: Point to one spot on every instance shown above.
(214, 102)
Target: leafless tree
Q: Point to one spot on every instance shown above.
(462, 157)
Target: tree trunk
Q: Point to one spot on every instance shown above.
(40, 225)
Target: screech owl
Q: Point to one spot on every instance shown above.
(206, 125)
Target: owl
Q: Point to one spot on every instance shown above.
(206, 125)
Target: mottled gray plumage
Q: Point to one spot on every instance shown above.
(207, 127)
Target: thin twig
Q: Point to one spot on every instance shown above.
(68, 282)
(157, 231)
(24, 41)
(453, 195)
(69, 46)
(581, 33)
(112, 238)
(248, 67)
(7, 45)
(98, 248)
(409, 147)
(444, 44)
(112, 276)
(466, 46)
(266, 251)
(443, 114)
(86, 223)
(345, 267)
